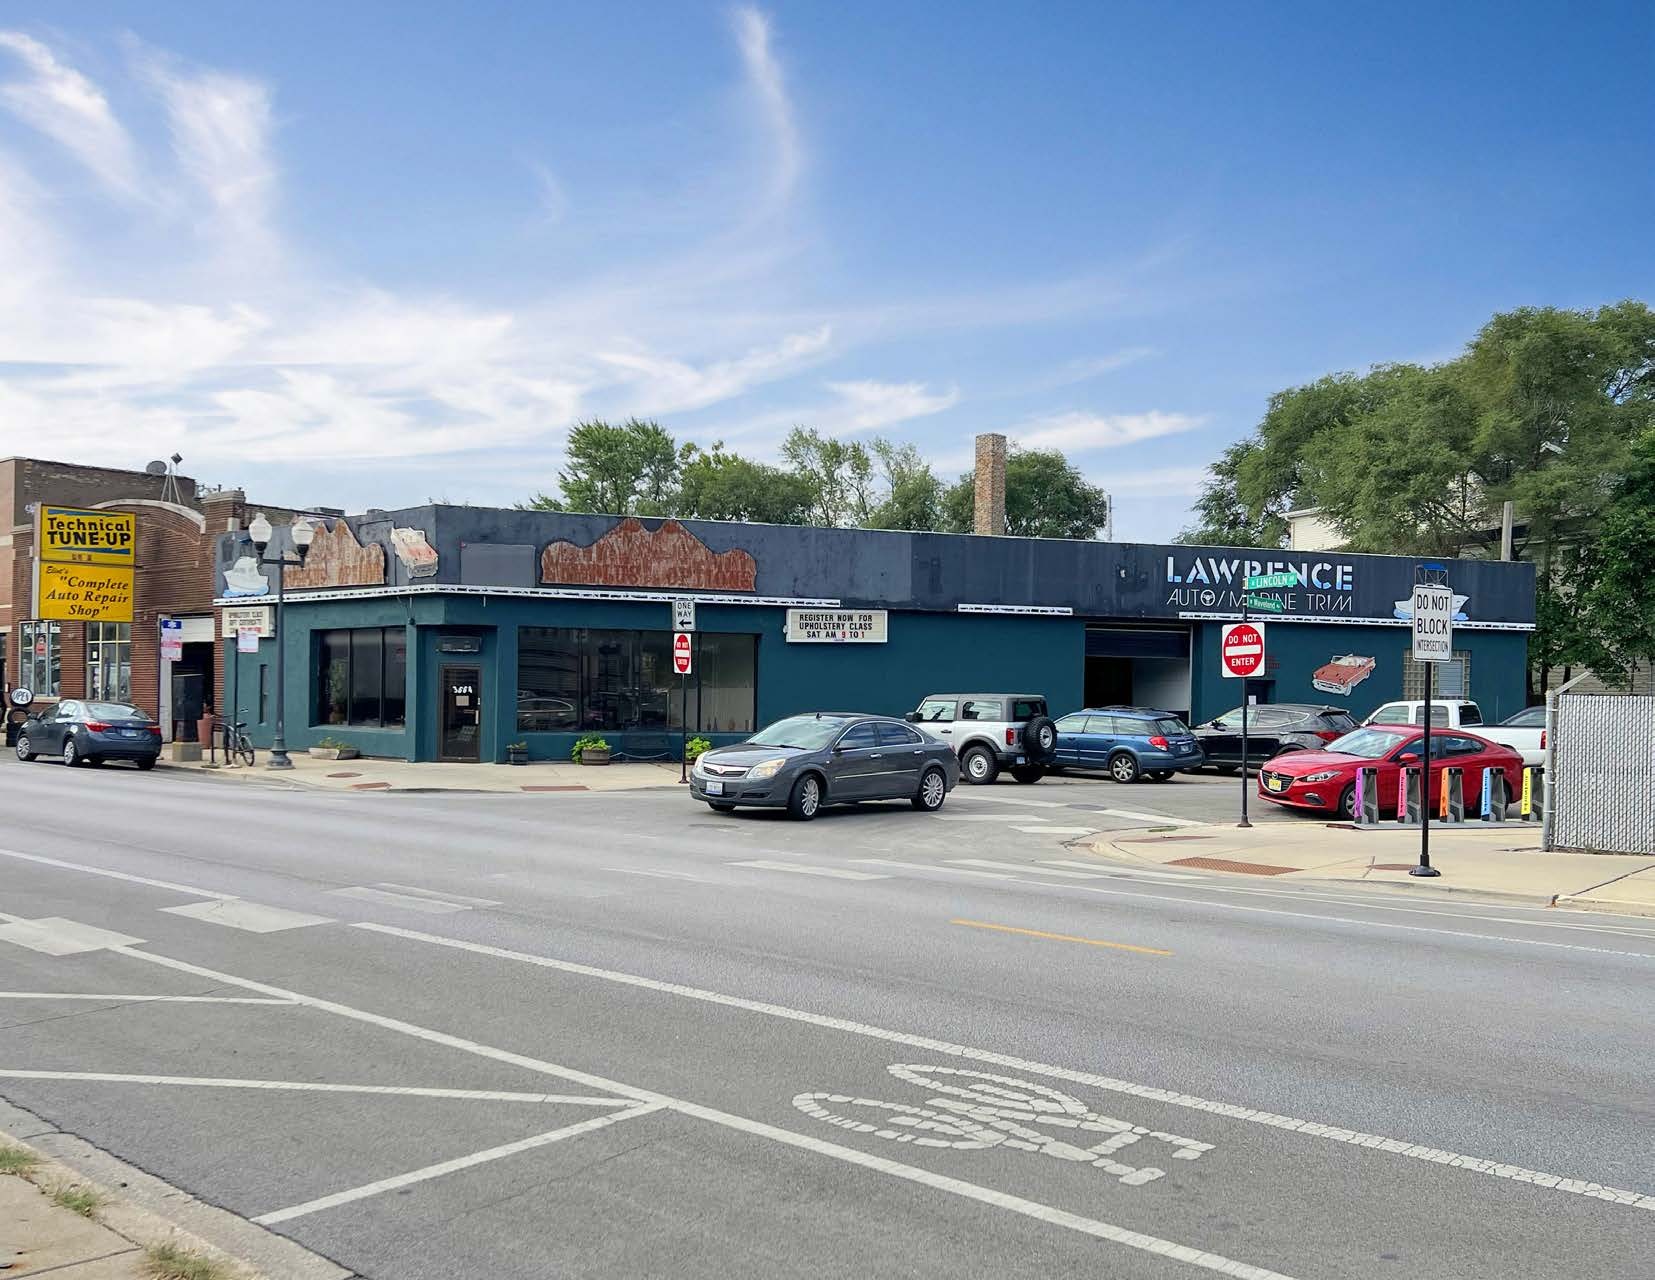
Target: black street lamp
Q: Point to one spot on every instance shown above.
(302, 531)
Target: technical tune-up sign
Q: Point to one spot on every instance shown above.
(84, 564)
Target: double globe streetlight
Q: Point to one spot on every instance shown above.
(301, 531)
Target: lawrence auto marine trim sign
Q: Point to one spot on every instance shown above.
(836, 626)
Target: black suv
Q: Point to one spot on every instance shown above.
(1272, 727)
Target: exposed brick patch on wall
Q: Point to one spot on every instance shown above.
(337, 559)
(630, 555)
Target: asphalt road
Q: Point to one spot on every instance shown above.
(616, 1035)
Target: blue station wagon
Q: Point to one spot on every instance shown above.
(1128, 743)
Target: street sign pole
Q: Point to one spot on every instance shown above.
(684, 728)
(1433, 625)
(1244, 822)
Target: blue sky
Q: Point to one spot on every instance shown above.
(371, 254)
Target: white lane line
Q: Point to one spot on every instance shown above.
(1229, 1110)
(805, 869)
(660, 875)
(987, 817)
(1157, 819)
(954, 1186)
(250, 917)
(137, 999)
(385, 898)
(929, 866)
(443, 896)
(113, 875)
(1131, 871)
(977, 797)
(1028, 868)
(311, 1086)
(55, 936)
(1057, 831)
(451, 1166)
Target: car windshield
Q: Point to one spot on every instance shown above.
(810, 733)
(112, 711)
(1369, 744)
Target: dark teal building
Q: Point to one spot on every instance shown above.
(449, 633)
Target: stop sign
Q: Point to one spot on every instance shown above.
(1241, 649)
(681, 653)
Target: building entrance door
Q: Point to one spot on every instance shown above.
(460, 733)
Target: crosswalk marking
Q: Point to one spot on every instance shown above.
(251, 917)
(1125, 871)
(1025, 868)
(386, 898)
(804, 869)
(1056, 831)
(930, 866)
(55, 936)
(443, 896)
(1031, 804)
(1158, 819)
(988, 817)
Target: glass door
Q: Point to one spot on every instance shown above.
(461, 730)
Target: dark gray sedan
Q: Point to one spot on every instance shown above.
(78, 732)
(801, 763)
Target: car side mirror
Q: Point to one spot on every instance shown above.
(838, 748)
(912, 717)
(1407, 755)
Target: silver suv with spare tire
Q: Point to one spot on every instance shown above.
(992, 731)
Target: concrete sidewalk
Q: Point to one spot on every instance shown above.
(1494, 860)
(400, 775)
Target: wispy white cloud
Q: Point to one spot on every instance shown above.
(769, 91)
(660, 384)
(867, 405)
(1079, 432)
(68, 108)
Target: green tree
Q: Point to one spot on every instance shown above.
(716, 485)
(629, 469)
(912, 493)
(1613, 596)
(840, 474)
(1046, 497)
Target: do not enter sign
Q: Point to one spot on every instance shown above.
(681, 653)
(1241, 649)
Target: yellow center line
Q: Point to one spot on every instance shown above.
(1061, 937)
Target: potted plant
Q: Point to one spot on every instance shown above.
(694, 747)
(517, 753)
(590, 749)
(332, 749)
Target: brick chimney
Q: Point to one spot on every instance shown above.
(991, 484)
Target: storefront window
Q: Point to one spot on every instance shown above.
(362, 677)
(109, 661)
(589, 679)
(41, 658)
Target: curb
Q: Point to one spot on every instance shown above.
(1605, 906)
(147, 1211)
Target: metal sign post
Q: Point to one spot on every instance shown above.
(1433, 628)
(681, 662)
(1241, 654)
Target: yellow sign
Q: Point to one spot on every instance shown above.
(82, 593)
(1527, 806)
(70, 535)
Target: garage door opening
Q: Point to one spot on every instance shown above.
(1138, 667)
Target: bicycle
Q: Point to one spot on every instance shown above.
(237, 745)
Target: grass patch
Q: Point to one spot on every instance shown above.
(16, 1159)
(81, 1200)
(169, 1262)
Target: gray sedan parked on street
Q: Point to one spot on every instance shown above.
(832, 757)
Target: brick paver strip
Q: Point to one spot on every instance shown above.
(370, 786)
(1224, 864)
(344, 775)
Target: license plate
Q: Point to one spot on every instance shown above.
(129, 733)
(715, 788)
(1276, 784)
(1019, 759)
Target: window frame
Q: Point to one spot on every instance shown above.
(322, 662)
(30, 666)
(843, 742)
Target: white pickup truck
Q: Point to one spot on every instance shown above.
(1524, 732)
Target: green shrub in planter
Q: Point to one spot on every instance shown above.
(590, 749)
(517, 753)
(694, 747)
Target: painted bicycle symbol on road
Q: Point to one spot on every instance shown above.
(976, 1111)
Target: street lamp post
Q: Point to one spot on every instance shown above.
(302, 531)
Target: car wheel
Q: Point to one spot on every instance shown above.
(933, 790)
(1160, 775)
(1028, 774)
(146, 765)
(806, 798)
(1347, 803)
(1123, 768)
(25, 749)
(979, 766)
(1040, 738)
(71, 756)
(721, 806)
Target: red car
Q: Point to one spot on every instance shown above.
(1326, 780)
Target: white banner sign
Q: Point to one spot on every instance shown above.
(172, 639)
(836, 626)
(257, 617)
(247, 640)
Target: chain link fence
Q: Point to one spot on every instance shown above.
(1605, 763)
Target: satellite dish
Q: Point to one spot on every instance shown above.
(156, 468)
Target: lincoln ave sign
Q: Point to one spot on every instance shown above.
(1433, 624)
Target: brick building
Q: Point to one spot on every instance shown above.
(178, 525)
